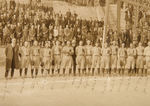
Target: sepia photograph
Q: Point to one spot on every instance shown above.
(74, 52)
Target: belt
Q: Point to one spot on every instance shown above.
(25, 56)
(80, 55)
(68, 55)
(121, 56)
(36, 55)
(88, 55)
(131, 55)
(114, 54)
(56, 54)
(46, 56)
(96, 55)
(105, 55)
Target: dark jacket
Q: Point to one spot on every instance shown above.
(9, 56)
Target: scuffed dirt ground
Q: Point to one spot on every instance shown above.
(76, 91)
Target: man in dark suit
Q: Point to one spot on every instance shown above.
(74, 56)
(12, 57)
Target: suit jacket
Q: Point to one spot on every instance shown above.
(10, 55)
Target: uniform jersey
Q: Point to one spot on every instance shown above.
(88, 50)
(80, 51)
(56, 50)
(96, 57)
(147, 51)
(67, 61)
(88, 53)
(46, 52)
(25, 57)
(47, 58)
(140, 57)
(105, 61)
(131, 53)
(114, 53)
(121, 62)
(35, 53)
(147, 57)
(114, 50)
(80, 60)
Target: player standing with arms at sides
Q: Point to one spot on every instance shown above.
(25, 58)
(105, 61)
(35, 59)
(67, 61)
(96, 58)
(130, 65)
(80, 60)
(46, 56)
(114, 49)
(140, 59)
(56, 51)
(121, 62)
(88, 49)
(147, 58)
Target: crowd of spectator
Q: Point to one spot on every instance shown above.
(28, 22)
(143, 20)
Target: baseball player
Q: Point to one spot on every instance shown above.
(147, 58)
(35, 58)
(121, 62)
(96, 58)
(46, 56)
(130, 65)
(80, 60)
(25, 58)
(56, 51)
(140, 59)
(105, 61)
(114, 54)
(88, 50)
(67, 61)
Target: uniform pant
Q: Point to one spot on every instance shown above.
(7, 71)
(12, 70)
(113, 61)
(96, 61)
(80, 62)
(130, 63)
(147, 62)
(121, 62)
(105, 62)
(88, 61)
(140, 62)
